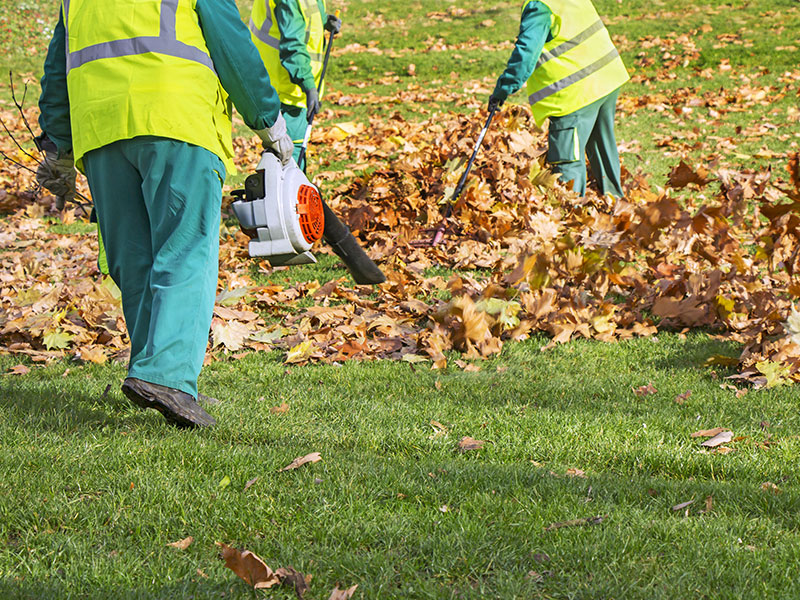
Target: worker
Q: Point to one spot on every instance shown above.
(135, 94)
(574, 73)
(290, 36)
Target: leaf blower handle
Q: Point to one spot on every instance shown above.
(301, 159)
(439, 235)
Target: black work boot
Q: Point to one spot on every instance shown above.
(361, 267)
(178, 408)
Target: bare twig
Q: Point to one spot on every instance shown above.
(20, 106)
(20, 165)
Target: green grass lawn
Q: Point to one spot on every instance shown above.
(93, 490)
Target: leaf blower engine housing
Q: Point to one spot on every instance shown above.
(281, 211)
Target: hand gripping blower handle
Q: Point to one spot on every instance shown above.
(281, 211)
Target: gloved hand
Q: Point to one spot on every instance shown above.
(333, 24)
(312, 103)
(57, 175)
(495, 101)
(277, 140)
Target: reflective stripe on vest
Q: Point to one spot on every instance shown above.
(266, 36)
(165, 43)
(575, 77)
(156, 76)
(578, 66)
(262, 33)
(569, 44)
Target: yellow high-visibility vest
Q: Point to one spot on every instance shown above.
(267, 37)
(142, 67)
(578, 66)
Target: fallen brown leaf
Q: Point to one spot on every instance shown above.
(249, 567)
(302, 460)
(294, 579)
(682, 505)
(467, 443)
(283, 408)
(681, 398)
(708, 432)
(18, 370)
(768, 486)
(721, 438)
(182, 544)
(338, 594)
(645, 390)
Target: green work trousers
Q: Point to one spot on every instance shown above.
(588, 132)
(158, 207)
(296, 124)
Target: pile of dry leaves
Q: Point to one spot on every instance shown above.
(715, 250)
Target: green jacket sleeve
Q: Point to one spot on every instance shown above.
(293, 50)
(534, 30)
(54, 101)
(238, 63)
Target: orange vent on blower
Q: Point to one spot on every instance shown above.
(309, 211)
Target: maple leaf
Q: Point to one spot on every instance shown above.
(231, 335)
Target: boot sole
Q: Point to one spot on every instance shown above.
(172, 416)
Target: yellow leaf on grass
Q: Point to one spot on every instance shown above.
(300, 353)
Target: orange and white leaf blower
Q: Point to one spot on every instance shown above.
(281, 210)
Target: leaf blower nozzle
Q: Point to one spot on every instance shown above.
(344, 244)
(282, 211)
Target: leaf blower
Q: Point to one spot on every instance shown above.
(281, 211)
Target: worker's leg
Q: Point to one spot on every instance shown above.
(566, 145)
(601, 149)
(170, 260)
(296, 124)
(122, 217)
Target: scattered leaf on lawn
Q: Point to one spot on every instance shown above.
(577, 522)
(224, 483)
(248, 567)
(18, 370)
(768, 486)
(467, 443)
(337, 594)
(294, 579)
(681, 398)
(708, 432)
(439, 430)
(182, 544)
(302, 460)
(645, 390)
(576, 473)
(682, 505)
(250, 483)
(541, 557)
(718, 440)
(709, 504)
(279, 409)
